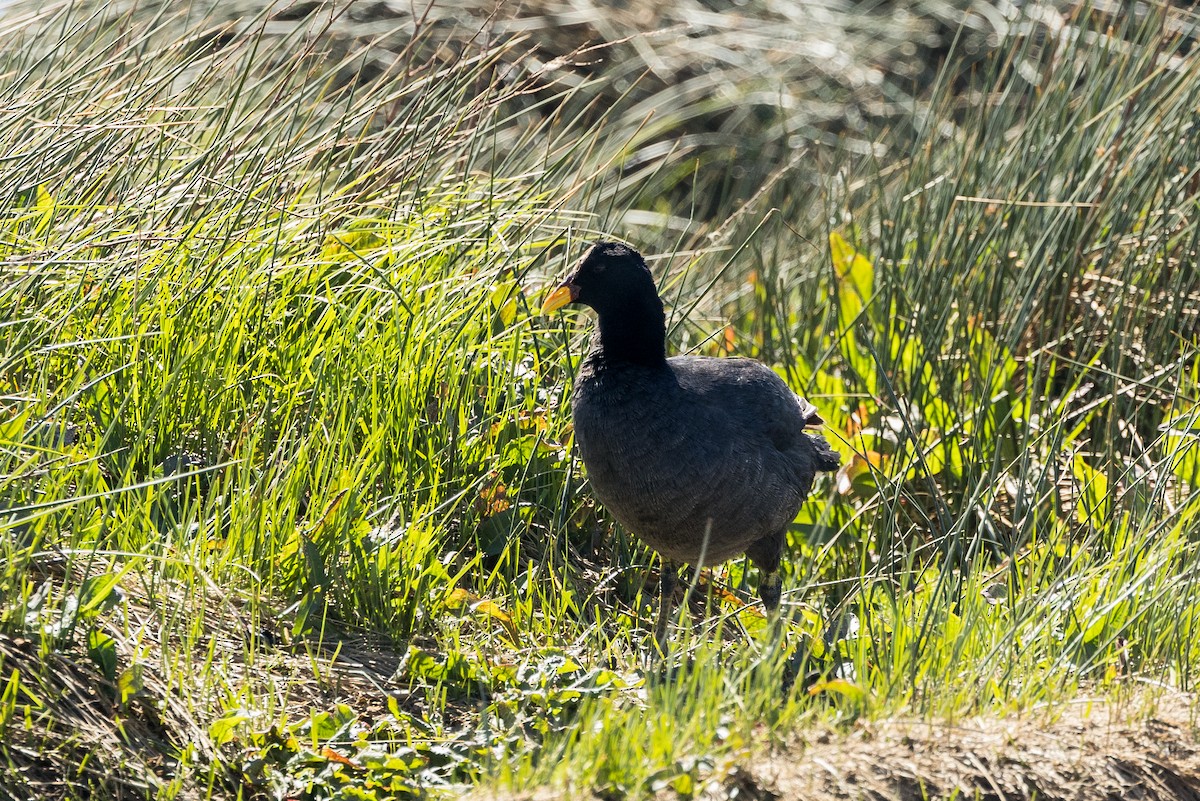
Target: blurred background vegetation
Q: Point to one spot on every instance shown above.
(289, 502)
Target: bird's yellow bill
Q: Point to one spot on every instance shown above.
(558, 298)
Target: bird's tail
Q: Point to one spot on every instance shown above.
(827, 460)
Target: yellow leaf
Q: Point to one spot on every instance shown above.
(45, 200)
(340, 246)
(508, 312)
(458, 597)
(842, 687)
(130, 683)
(45, 206)
(504, 299)
(493, 610)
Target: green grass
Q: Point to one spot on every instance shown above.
(290, 505)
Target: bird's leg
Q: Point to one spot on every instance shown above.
(766, 554)
(770, 589)
(666, 596)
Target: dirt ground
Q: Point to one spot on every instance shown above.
(1085, 751)
(1147, 750)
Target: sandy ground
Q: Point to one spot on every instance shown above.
(1081, 752)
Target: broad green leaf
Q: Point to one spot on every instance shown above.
(1094, 502)
(99, 594)
(12, 428)
(504, 300)
(1094, 629)
(45, 200)
(45, 206)
(452, 667)
(812, 627)
(855, 272)
(8, 699)
(130, 683)
(102, 649)
(1181, 443)
(855, 278)
(224, 729)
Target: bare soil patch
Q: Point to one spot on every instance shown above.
(1081, 752)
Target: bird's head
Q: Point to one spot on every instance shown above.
(610, 278)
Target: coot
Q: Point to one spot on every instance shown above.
(704, 459)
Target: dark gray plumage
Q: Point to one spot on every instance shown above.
(703, 459)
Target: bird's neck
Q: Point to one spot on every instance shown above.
(637, 335)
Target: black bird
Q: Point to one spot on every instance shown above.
(704, 459)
